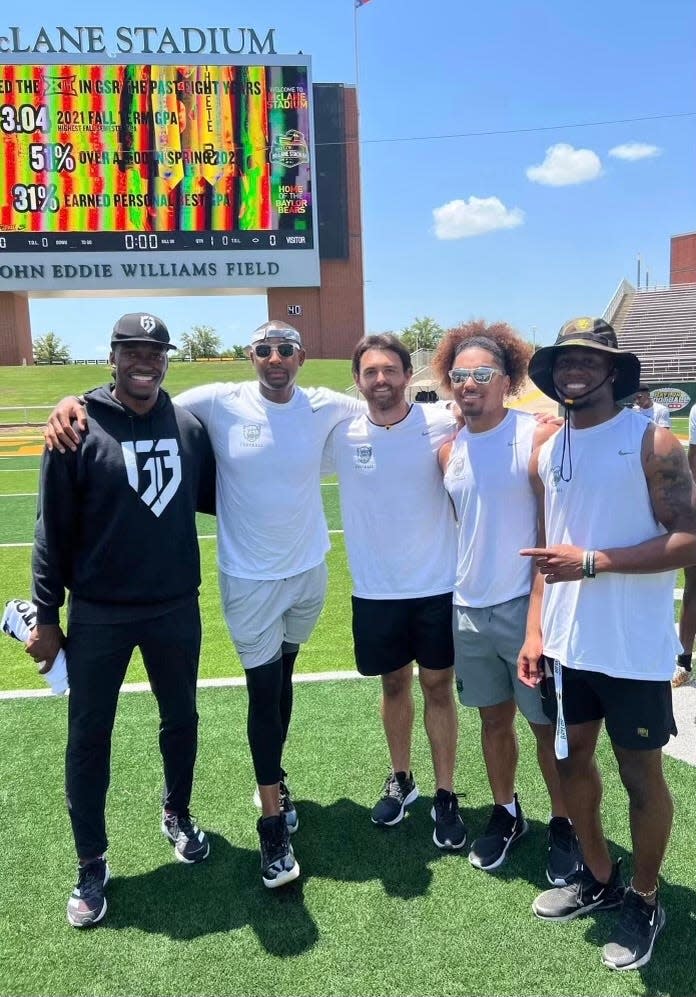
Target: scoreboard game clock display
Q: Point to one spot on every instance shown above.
(157, 176)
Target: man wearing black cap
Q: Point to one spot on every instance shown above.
(600, 633)
(107, 514)
(268, 437)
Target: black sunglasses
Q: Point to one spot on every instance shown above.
(264, 350)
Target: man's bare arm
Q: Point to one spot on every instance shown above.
(59, 432)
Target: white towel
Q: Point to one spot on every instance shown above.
(18, 621)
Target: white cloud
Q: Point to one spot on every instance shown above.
(635, 150)
(461, 219)
(565, 165)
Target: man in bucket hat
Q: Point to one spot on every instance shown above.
(600, 633)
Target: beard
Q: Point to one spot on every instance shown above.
(382, 400)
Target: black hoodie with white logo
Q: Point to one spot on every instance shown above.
(116, 522)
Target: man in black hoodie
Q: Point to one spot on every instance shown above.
(116, 527)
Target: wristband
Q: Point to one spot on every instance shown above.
(588, 563)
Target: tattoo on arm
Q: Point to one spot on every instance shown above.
(671, 488)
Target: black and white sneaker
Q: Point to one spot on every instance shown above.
(399, 791)
(87, 903)
(449, 827)
(564, 857)
(634, 937)
(190, 843)
(287, 807)
(278, 862)
(502, 832)
(582, 895)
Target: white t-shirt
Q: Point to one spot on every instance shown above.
(618, 624)
(397, 518)
(692, 426)
(657, 413)
(270, 519)
(487, 478)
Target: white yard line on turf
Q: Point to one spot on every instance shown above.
(221, 683)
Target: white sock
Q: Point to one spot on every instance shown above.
(511, 808)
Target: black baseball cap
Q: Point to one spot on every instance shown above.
(141, 327)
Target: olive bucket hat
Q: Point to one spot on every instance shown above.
(590, 334)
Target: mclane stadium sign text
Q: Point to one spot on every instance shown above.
(94, 40)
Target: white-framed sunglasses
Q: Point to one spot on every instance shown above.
(482, 375)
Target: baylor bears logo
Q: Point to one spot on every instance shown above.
(159, 477)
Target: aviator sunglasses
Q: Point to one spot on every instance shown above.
(482, 375)
(264, 350)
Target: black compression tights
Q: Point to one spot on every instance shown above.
(270, 707)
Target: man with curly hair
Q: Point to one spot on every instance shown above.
(486, 472)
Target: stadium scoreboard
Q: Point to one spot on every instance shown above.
(157, 176)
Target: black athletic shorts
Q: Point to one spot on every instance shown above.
(637, 713)
(390, 633)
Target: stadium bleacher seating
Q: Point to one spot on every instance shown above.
(659, 325)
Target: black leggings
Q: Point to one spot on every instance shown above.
(270, 707)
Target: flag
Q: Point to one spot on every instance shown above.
(361, 3)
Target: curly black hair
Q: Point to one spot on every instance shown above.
(510, 350)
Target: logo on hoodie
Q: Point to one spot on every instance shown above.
(158, 477)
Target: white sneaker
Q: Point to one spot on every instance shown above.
(682, 676)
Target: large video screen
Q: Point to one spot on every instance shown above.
(129, 176)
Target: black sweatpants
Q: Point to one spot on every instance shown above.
(98, 656)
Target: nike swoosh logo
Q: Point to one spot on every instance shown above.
(426, 432)
(623, 453)
(596, 896)
(512, 443)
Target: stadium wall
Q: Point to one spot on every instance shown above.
(331, 317)
(15, 330)
(682, 264)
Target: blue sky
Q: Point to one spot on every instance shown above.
(503, 174)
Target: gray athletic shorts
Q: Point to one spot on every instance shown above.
(486, 644)
(260, 615)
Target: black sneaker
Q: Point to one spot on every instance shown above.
(581, 896)
(503, 830)
(449, 827)
(634, 937)
(564, 856)
(287, 807)
(190, 843)
(399, 791)
(278, 863)
(87, 903)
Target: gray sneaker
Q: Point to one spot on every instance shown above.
(87, 903)
(634, 937)
(582, 895)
